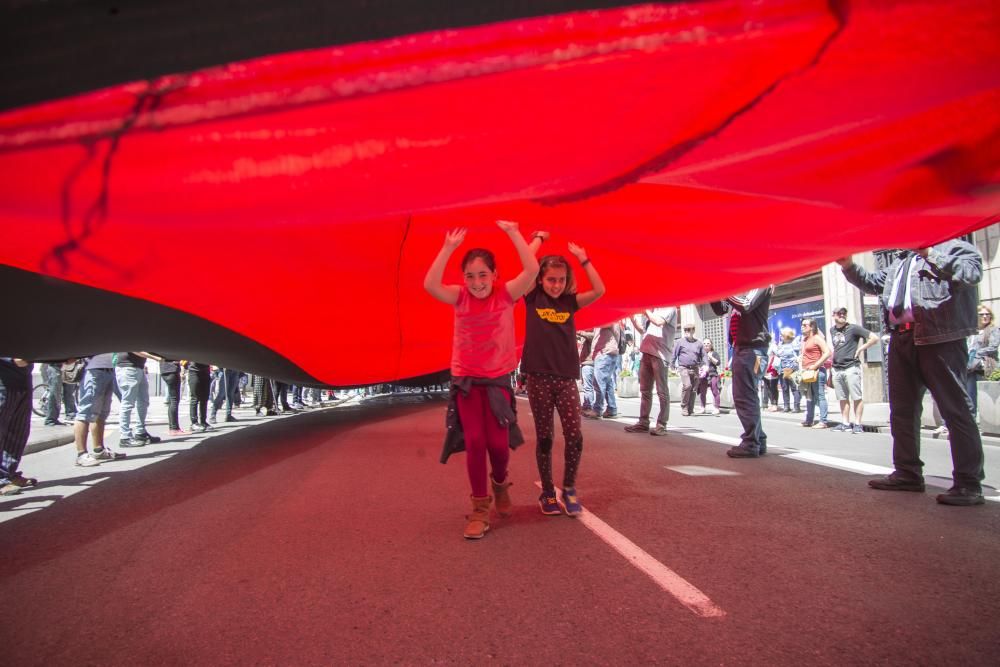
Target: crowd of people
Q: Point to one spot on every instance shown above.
(81, 390)
(929, 313)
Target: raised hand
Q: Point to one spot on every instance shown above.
(454, 238)
(540, 234)
(507, 225)
(578, 252)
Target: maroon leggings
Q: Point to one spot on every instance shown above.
(483, 435)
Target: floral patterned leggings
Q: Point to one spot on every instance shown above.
(547, 394)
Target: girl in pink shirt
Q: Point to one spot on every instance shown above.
(483, 356)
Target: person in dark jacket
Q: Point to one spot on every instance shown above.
(749, 334)
(929, 307)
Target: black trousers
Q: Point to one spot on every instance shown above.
(942, 369)
(200, 383)
(173, 382)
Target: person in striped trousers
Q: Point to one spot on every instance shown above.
(15, 423)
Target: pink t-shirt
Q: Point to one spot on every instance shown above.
(811, 351)
(484, 334)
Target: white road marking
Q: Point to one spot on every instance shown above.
(839, 463)
(729, 440)
(663, 576)
(701, 471)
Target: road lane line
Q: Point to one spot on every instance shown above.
(839, 463)
(663, 576)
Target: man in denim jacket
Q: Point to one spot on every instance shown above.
(929, 308)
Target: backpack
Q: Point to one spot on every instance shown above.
(72, 371)
(622, 343)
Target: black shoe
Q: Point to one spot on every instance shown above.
(55, 423)
(609, 415)
(230, 418)
(152, 439)
(742, 452)
(962, 496)
(894, 482)
(131, 442)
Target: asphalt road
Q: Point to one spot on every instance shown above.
(334, 537)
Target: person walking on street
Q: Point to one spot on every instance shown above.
(710, 379)
(689, 355)
(929, 306)
(550, 361)
(482, 407)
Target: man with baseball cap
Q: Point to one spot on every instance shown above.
(847, 380)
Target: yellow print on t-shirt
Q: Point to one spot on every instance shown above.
(550, 315)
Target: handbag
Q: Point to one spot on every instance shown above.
(808, 377)
(787, 373)
(72, 371)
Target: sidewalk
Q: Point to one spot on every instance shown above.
(44, 437)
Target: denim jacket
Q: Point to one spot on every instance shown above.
(942, 291)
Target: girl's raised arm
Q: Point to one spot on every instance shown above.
(596, 290)
(435, 274)
(524, 281)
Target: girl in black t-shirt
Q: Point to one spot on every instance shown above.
(552, 367)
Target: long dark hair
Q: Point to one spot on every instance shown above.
(813, 329)
(556, 262)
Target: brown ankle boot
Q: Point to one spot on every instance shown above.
(502, 496)
(479, 520)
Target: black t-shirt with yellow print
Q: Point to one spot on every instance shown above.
(550, 335)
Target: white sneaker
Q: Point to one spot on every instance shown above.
(698, 410)
(107, 454)
(713, 410)
(86, 460)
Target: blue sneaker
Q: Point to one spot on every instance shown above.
(572, 505)
(548, 503)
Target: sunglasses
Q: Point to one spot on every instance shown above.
(985, 315)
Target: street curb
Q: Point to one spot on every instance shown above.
(42, 445)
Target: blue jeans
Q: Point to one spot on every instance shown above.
(587, 374)
(815, 392)
(225, 384)
(604, 380)
(748, 366)
(135, 395)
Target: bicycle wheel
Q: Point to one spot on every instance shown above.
(40, 400)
